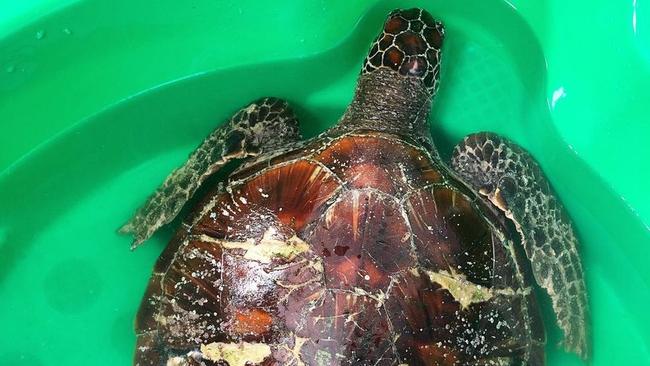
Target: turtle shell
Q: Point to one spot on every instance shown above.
(352, 250)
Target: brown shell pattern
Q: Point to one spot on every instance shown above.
(361, 251)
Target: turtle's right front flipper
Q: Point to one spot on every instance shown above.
(513, 182)
(268, 122)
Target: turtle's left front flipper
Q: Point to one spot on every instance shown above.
(263, 125)
(511, 179)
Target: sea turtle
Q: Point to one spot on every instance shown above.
(360, 246)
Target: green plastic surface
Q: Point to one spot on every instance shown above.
(100, 100)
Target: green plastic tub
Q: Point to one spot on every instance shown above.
(100, 100)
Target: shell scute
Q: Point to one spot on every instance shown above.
(386, 164)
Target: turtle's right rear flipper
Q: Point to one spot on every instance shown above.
(266, 123)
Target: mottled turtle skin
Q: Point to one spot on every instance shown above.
(360, 246)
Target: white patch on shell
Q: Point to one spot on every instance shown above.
(236, 354)
(464, 291)
(176, 361)
(268, 248)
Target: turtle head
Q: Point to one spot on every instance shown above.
(410, 45)
(399, 76)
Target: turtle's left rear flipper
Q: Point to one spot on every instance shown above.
(512, 181)
(264, 124)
